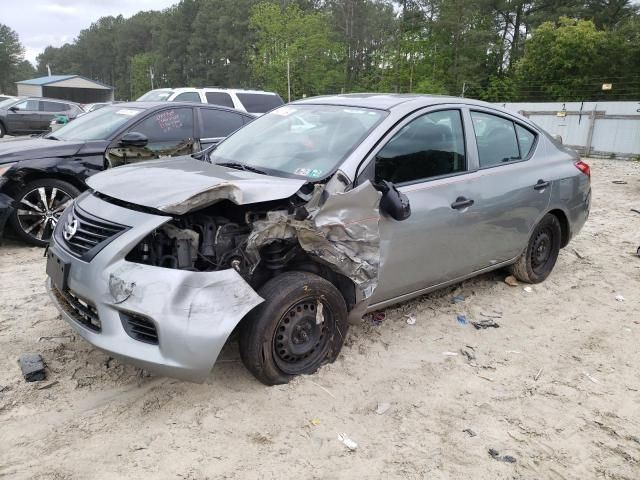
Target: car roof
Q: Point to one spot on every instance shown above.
(158, 105)
(47, 99)
(214, 89)
(389, 101)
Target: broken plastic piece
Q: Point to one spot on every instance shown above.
(462, 320)
(489, 323)
(33, 367)
(457, 299)
(350, 444)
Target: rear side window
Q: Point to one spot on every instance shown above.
(431, 145)
(188, 97)
(219, 98)
(167, 125)
(52, 107)
(259, 102)
(218, 123)
(496, 139)
(526, 139)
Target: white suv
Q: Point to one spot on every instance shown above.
(251, 101)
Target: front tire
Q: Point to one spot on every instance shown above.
(288, 335)
(3, 131)
(39, 205)
(537, 261)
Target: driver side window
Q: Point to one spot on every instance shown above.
(431, 145)
(27, 106)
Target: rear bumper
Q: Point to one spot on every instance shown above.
(191, 314)
(6, 209)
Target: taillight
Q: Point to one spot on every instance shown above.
(584, 168)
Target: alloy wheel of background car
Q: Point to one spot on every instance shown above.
(537, 261)
(287, 335)
(38, 207)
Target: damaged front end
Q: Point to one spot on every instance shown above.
(168, 292)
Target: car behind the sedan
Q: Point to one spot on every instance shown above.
(315, 213)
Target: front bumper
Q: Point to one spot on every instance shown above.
(193, 313)
(6, 209)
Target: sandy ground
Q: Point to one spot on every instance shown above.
(556, 387)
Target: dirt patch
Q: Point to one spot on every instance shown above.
(556, 386)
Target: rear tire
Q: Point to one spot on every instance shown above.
(3, 131)
(537, 261)
(286, 336)
(35, 217)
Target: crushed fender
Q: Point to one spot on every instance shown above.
(341, 231)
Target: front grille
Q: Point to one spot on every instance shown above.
(80, 310)
(140, 328)
(84, 235)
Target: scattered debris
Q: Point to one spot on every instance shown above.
(470, 432)
(350, 444)
(53, 337)
(457, 299)
(449, 354)
(492, 314)
(619, 298)
(411, 320)
(591, 378)
(462, 320)
(634, 439)
(382, 408)
(528, 289)
(482, 324)
(469, 352)
(635, 210)
(505, 458)
(619, 182)
(48, 385)
(33, 367)
(315, 422)
(578, 254)
(511, 281)
(261, 438)
(537, 376)
(319, 313)
(376, 318)
(513, 351)
(485, 378)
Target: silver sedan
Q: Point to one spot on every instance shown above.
(307, 218)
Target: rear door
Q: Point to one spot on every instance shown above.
(511, 190)
(47, 112)
(24, 117)
(170, 133)
(215, 125)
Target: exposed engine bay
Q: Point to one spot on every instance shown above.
(209, 241)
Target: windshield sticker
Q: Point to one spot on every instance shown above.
(284, 111)
(127, 112)
(308, 172)
(169, 120)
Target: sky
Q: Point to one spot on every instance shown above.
(41, 23)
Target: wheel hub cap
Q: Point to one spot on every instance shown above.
(39, 210)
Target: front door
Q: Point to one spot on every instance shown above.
(427, 160)
(170, 133)
(22, 116)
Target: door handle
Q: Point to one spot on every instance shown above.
(461, 203)
(541, 185)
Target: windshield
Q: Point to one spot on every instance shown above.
(304, 140)
(97, 125)
(155, 96)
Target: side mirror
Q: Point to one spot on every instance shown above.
(558, 138)
(134, 139)
(13, 109)
(394, 202)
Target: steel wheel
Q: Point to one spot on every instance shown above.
(38, 211)
(300, 340)
(541, 249)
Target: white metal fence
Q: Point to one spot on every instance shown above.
(600, 129)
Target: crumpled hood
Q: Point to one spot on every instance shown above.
(179, 185)
(18, 149)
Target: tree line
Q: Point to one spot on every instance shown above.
(496, 50)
